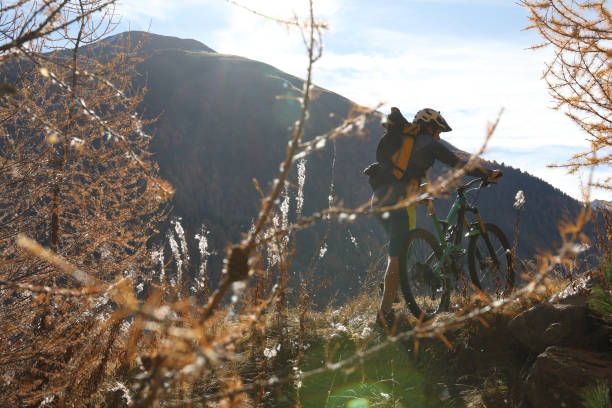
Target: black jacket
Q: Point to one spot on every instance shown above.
(425, 151)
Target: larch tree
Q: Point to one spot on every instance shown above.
(580, 73)
(76, 176)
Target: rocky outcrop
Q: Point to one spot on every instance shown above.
(565, 320)
(570, 348)
(560, 374)
(577, 292)
(547, 324)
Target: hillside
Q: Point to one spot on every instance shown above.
(223, 121)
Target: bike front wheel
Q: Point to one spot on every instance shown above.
(490, 261)
(426, 291)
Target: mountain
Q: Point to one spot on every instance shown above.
(222, 124)
(150, 43)
(225, 120)
(601, 204)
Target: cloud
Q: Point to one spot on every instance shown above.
(469, 81)
(147, 9)
(287, 9)
(504, 3)
(281, 9)
(535, 161)
(266, 40)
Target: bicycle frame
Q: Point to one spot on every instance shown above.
(450, 235)
(430, 266)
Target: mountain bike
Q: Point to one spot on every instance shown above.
(428, 263)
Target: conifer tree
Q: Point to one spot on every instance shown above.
(580, 75)
(76, 176)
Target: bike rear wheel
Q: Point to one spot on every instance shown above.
(425, 293)
(490, 263)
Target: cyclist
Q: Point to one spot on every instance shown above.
(406, 151)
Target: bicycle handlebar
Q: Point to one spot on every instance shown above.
(469, 184)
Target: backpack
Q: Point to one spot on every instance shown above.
(381, 174)
(378, 175)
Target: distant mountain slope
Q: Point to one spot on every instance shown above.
(223, 124)
(601, 205)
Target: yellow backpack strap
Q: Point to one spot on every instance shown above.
(402, 156)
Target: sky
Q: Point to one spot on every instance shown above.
(465, 58)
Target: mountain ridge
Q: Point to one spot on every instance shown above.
(161, 41)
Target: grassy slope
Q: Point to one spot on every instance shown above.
(482, 369)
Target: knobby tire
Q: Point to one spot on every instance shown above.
(491, 268)
(425, 293)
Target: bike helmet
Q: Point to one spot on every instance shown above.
(428, 115)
